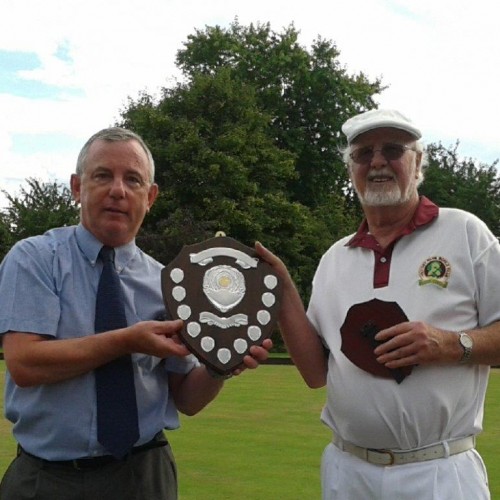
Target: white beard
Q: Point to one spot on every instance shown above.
(386, 196)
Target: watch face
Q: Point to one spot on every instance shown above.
(465, 340)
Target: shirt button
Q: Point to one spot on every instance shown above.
(383, 260)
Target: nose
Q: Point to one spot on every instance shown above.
(378, 159)
(117, 188)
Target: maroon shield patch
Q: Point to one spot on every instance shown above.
(362, 322)
(227, 297)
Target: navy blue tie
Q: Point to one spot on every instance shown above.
(117, 421)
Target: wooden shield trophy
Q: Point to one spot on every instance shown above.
(227, 297)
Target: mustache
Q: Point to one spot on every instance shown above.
(380, 172)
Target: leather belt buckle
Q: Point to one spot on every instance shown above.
(391, 456)
(390, 453)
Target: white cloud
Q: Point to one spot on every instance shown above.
(438, 59)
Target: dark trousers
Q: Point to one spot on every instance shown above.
(148, 475)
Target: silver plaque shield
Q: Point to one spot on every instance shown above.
(227, 297)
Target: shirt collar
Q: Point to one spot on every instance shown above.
(425, 213)
(91, 246)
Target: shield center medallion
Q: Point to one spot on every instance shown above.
(224, 286)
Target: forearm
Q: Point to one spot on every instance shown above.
(299, 335)
(301, 339)
(34, 360)
(194, 391)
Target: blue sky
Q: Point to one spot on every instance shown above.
(14, 68)
(67, 68)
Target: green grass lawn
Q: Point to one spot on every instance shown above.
(262, 439)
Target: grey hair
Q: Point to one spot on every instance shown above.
(419, 148)
(114, 134)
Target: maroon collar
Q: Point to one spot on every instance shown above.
(425, 213)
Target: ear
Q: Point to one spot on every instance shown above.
(75, 184)
(152, 194)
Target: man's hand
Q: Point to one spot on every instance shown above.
(157, 338)
(416, 343)
(257, 354)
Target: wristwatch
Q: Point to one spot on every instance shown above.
(466, 342)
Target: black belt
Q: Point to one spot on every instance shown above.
(98, 462)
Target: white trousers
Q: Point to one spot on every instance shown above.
(459, 477)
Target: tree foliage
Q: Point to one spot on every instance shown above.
(6, 239)
(39, 207)
(465, 183)
(249, 144)
(307, 94)
(219, 168)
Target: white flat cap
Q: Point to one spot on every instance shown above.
(378, 118)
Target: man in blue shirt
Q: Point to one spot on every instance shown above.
(48, 286)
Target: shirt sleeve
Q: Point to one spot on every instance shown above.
(485, 251)
(29, 302)
(181, 365)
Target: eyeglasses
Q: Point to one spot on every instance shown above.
(390, 152)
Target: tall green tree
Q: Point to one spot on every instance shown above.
(307, 94)
(249, 143)
(39, 206)
(219, 168)
(465, 183)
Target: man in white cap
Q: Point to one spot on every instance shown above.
(402, 326)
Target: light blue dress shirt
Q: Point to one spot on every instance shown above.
(48, 287)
